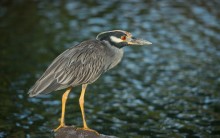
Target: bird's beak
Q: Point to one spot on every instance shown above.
(134, 41)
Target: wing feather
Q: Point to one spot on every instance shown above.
(81, 64)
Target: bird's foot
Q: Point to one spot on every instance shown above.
(88, 129)
(60, 126)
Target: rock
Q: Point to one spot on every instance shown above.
(73, 132)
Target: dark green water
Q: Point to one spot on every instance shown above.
(169, 89)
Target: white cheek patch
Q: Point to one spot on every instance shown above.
(115, 39)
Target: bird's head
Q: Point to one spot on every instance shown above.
(120, 38)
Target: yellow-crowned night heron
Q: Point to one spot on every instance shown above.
(82, 65)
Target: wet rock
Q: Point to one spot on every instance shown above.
(73, 132)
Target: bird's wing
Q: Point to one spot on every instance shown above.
(80, 64)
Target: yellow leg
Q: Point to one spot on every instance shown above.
(81, 103)
(64, 98)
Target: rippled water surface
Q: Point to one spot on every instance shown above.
(169, 89)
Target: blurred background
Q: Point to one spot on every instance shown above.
(168, 89)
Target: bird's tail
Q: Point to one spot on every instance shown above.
(44, 85)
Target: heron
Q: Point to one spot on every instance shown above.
(83, 64)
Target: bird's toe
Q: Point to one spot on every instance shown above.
(60, 126)
(88, 129)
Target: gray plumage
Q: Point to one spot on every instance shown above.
(85, 62)
(81, 64)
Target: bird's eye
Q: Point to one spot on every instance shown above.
(123, 37)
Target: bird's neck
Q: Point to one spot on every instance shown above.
(114, 54)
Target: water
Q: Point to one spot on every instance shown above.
(169, 89)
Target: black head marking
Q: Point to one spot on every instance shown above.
(113, 37)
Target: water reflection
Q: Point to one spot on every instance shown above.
(170, 89)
